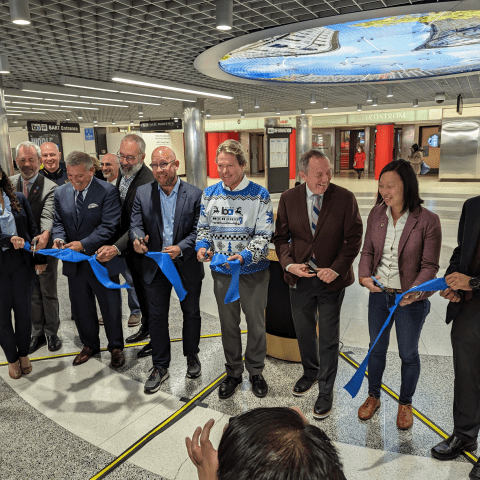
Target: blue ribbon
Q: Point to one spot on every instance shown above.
(168, 268)
(353, 386)
(233, 293)
(69, 255)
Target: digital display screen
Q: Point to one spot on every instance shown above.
(390, 48)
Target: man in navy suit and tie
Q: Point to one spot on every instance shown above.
(87, 214)
(164, 219)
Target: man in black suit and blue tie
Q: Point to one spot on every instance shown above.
(87, 214)
(164, 219)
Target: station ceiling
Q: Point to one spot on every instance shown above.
(161, 39)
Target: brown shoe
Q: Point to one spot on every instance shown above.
(134, 319)
(118, 358)
(14, 370)
(84, 355)
(25, 365)
(369, 407)
(404, 417)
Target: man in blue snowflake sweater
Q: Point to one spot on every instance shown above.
(236, 219)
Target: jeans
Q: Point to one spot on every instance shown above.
(409, 321)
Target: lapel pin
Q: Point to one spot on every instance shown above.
(382, 224)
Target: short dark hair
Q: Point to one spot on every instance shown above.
(275, 444)
(411, 195)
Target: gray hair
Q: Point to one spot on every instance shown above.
(27, 144)
(79, 158)
(235, 148)
(131, 137)
(304, 161)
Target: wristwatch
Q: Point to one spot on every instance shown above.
(474, 283)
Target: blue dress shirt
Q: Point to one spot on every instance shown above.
(167, 205)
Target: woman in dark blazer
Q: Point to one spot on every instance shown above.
(17, 275)
(401, 249)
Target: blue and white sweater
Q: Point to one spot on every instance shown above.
(237, 222)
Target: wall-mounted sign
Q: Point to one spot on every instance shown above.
(155, 125)
(433, 140)
(272, 130)
(89, 135)
(53, 127)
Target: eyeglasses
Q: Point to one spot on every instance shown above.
(128, 158)
(162, 166)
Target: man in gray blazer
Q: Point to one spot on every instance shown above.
(87, 215)
(39, 191)
(164, 219)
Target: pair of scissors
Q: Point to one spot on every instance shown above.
(34, 245)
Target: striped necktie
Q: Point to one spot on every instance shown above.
(317, 205)
(79, 203)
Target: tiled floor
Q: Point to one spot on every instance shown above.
(65, 422)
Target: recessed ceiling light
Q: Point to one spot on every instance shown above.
(139, 94)
(22, 96)
(49, 93)
(76, 106)
(20, 12)
(110, 105)
(312, 98)
(224, 15)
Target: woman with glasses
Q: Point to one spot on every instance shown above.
(17, 276)
(401, 250)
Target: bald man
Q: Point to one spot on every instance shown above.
(110, 167)
(164, 219)
(51, 164)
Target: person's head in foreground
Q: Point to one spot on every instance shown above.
(266, 444)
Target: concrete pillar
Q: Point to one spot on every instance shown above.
(304, 138)
(195, 145)
(5, 151)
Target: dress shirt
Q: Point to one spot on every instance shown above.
(7, 220)
(85, 190)
(388, 267)
(31, 181)
(167, 205)
(124, 185)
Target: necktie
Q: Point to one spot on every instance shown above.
(79, 203)
(25, 188)
(317, 205)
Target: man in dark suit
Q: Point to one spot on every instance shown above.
(133, 174)
(164, 219)
(318, 235)
(87, 214)
(463, 279)
(39, 192)
(51, 157)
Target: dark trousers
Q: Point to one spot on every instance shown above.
(319, 354)
(409, 322)
(16, 287)
(466, 363)
(45, 310)
(83, 288)
(134, 264)
(158, 296)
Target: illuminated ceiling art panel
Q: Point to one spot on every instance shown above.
(390, 48)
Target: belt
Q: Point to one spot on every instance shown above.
(391, 290)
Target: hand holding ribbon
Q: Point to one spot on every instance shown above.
(69, 255)
(233, 292)
(353, 386)
(168, 268)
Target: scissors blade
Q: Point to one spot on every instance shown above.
(34, 245)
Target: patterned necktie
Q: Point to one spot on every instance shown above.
(79, 203)
(25, 188)
(317, 205)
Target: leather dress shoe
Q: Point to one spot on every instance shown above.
(142, 334)
(369, 407)
(259, 386)
(228, 387)
(36, 343)
(84, 355)
(54, 343)
(475, 473)
(158, 375)
(145, 351)
(323, 406)
(451, 448)
(302, 386)
(194, 368)
(118, 358)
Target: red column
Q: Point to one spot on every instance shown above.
(212, 144)
(383, 147)
(293, 154)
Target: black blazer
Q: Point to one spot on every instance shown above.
(468, 237)
(96, 226)
(26, 228)
(147, 220)
(143, 177)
